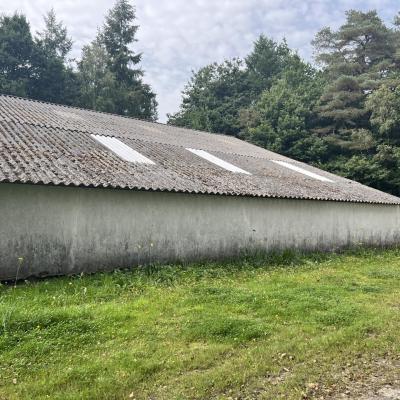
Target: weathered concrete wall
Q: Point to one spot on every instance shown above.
(62, 230)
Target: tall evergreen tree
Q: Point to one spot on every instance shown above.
(119, 33)
(53, 79)
(110, 78)
(356, 58)
(266, 61)
(359, 58)
(16, 49)
(109, 69)
(54, 39)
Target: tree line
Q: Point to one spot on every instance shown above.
(105, 78)
(341, 114)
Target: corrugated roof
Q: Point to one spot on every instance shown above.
(43, 143)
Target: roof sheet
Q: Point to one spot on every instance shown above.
(43, 143)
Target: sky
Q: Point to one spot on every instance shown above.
(179, 36)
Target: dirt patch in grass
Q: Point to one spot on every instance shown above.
(363, 380)
(377, 379)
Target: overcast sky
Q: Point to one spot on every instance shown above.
(178, 36)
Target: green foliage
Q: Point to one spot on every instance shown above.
(118, 34)
(54, 39)
(213, 97)
(217, 94)
(282, 118)
(53, 80)
(107, 77)
(108, 74)
(357, 57)
(274, 321)
(384, 107)
(35, 67)
(266, 61)
(98, 84)
(16, 49)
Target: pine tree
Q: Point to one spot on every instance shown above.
(356, 58)
(358, 107)
(118, 35)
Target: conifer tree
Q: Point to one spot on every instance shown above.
(16, 49)
(54, 39)
(54, 79)
(356, 58)
(112, 64)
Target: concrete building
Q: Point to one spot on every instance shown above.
(82, 191)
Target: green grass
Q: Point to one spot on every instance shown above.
(261, 327)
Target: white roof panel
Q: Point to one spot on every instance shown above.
(122, 150)
(217, 161)
(302, 171)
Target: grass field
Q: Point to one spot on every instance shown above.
(288, 326)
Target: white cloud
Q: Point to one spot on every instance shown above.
(178, 36)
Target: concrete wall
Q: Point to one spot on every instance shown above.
(48, 230)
